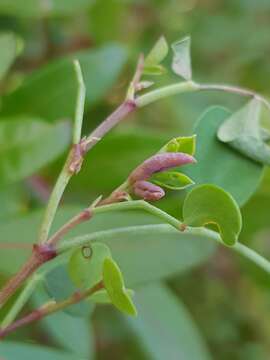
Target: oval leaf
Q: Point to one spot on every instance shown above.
(208, 204)
(172, 180)
(86, 264)
(181, 64)
(114, 284)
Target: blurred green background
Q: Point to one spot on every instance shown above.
(227, 297)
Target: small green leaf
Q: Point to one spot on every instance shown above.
(242, 132)
(154, 70)
(172, 180)
(86, 264)
(181, 64)
(114, 284)
(10, 46)
(185, 144)
(157, 53)
(207, 204)
(102, 296)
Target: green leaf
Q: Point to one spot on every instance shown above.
(59, 286)
(242, 132)
(157, 53)
(74, 334)
(45, 92)
(209, 204)
(86, 264)
(218, 164)
(172, 180)
(14, 350)
(154, 70)
(181, 64)
(34, 8)
(26, 145)
(114, 284)
(166, 250)
(185, 144)
(164, 327)
(9, 50)
(102, 297)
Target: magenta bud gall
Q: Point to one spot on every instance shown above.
(158, 163)
(148, 191)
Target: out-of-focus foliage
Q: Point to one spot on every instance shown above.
(227, 297)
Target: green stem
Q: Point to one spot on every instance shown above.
(165, 91)
(79, 104)
(139, 205)
(191, 86)
(54, 201)
(21, 300)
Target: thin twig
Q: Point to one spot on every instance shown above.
(83, 216)
(50, 308)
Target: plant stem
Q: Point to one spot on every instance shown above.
(40, 255)
(55, 198)
(83, 216)
(119, 114)
(142, 230)
(79, 109)
(165, 91)
(191, 86)
(21, 300)
(139, 205)
(50, 308)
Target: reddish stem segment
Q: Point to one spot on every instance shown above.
(40, 255)
(50, 308)
(83, 216)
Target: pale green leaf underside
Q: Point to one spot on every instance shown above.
(209, 204)
(181, 64)
(219, 164)
(242, 131)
